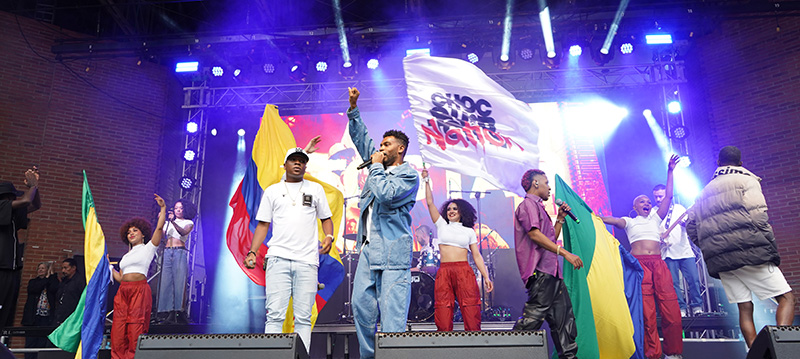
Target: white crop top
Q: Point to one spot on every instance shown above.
(171, 232)
(643, 229)
(138, 259)
(455, 234)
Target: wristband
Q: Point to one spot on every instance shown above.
(251, 252)
(562, 220)
(426, 180)
(558, 251)
(329, 236)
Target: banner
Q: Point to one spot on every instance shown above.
(468, 123)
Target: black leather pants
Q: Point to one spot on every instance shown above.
(548, 300)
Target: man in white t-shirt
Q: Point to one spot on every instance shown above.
(679, 255)
(292, 206)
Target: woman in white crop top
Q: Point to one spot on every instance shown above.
(644, 234)
(455, 277)
(175, 266)
(133, 302)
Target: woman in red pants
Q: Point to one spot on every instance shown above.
(455, 278)
(133, 302)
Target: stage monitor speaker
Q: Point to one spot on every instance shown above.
(221, 346)
(462, 345)
(774, 342)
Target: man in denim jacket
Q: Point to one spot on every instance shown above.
(383, 276)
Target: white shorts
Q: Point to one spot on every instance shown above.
(765, 280)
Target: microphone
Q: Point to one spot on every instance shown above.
(559, 202)
(365, 164)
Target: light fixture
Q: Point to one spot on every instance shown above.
(189, 155)
(187, 183)
(680, 132)
(674, 107)
(191, 127)
(217, 71)
(190, 66)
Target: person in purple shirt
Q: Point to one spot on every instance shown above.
(540, 268)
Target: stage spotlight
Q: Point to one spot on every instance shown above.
(473, 57)
(237, 72)
(626, 48)
(213, 132)
(322, 66)
(347, 64)
(575, 50)
(685, 161)
(190, 66)
(240, 132)
(372, 64)
(189, 155)
(191, 127)
(425, 51)
(526, 53)
(187, 183)
(348, 70)
(680, 132)
(658, 39)
(217, 71)
(269, 68)
(297, 71)
(601, 58)
(674, 107)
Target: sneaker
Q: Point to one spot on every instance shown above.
(674, 356)
(683, 313)
(697, 311)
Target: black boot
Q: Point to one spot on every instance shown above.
(181, 318)
(172, 318)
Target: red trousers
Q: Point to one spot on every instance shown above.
(657, 289)
(456, 280)
(132, 307)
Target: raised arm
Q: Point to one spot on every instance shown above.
(162, 218)
(313, 144)
(429, 196)
(30, 198)
(663, 207)
(358, 130)
(614, 221)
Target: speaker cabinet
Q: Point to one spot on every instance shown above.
(221, 346)
(462, 345)
(774, 342)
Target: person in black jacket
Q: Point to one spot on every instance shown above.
(40, 306)
(69, 291)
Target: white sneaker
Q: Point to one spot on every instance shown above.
(683, 313)
(697, 311)
(676, 356)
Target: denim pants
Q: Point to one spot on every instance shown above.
(173, 279)
(384, 292)
(688, 267)
(290, 279)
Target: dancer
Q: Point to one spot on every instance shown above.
(134, 301)
(174, 269)
(729, 223)
(383, 277)
(537, 257)
(292, 206)
(455, 277)
(644, 236)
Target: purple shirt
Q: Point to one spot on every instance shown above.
(530, 257)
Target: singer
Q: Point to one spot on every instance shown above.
(540, 268)
(645, 239)
(382, 283)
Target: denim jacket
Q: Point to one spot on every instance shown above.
(392, 195)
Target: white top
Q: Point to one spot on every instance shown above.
(293, 210)
(171, 232)
(369, 209)
(643, 229)
(680, 247)
(455, 234)
(138, 259)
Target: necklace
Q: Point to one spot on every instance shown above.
(294, 199)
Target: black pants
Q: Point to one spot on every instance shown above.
(9, 292)
(38, 342)
(548, 300)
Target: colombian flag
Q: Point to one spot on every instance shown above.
(607, 319)
(272, 141)
(82, 332)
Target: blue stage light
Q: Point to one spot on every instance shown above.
(294, 68)
(187, 183)
(626, 48)
(240, 132)
(525, 54)
(217, 71)
(473, 57)
(575, 50)
(426, 51)
(187, 66)
(237, 72)
(674, 107)
(372, 64)
(658, 39)
(189, 155)
(347, 64)
(191, 127)
(213, 132)
(322, 66)
(269, 68)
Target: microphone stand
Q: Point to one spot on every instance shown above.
(346, 315)
(478, 195)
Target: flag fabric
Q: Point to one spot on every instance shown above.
(82, 332)
(598, 290)
(468, 123)
(272, 141)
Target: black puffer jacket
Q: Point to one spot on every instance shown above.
(729, 222)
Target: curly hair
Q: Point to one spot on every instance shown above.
(527, 178)
(465, 210)
(189, 210)
(142, 224)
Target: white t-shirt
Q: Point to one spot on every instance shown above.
(138, 259)
(173, 233)
(680, 247)
(643, 229)
(293, 210)
(455, 234)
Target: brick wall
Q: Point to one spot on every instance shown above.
(52, 118)
(751, 80)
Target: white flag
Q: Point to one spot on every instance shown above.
(469, 124)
